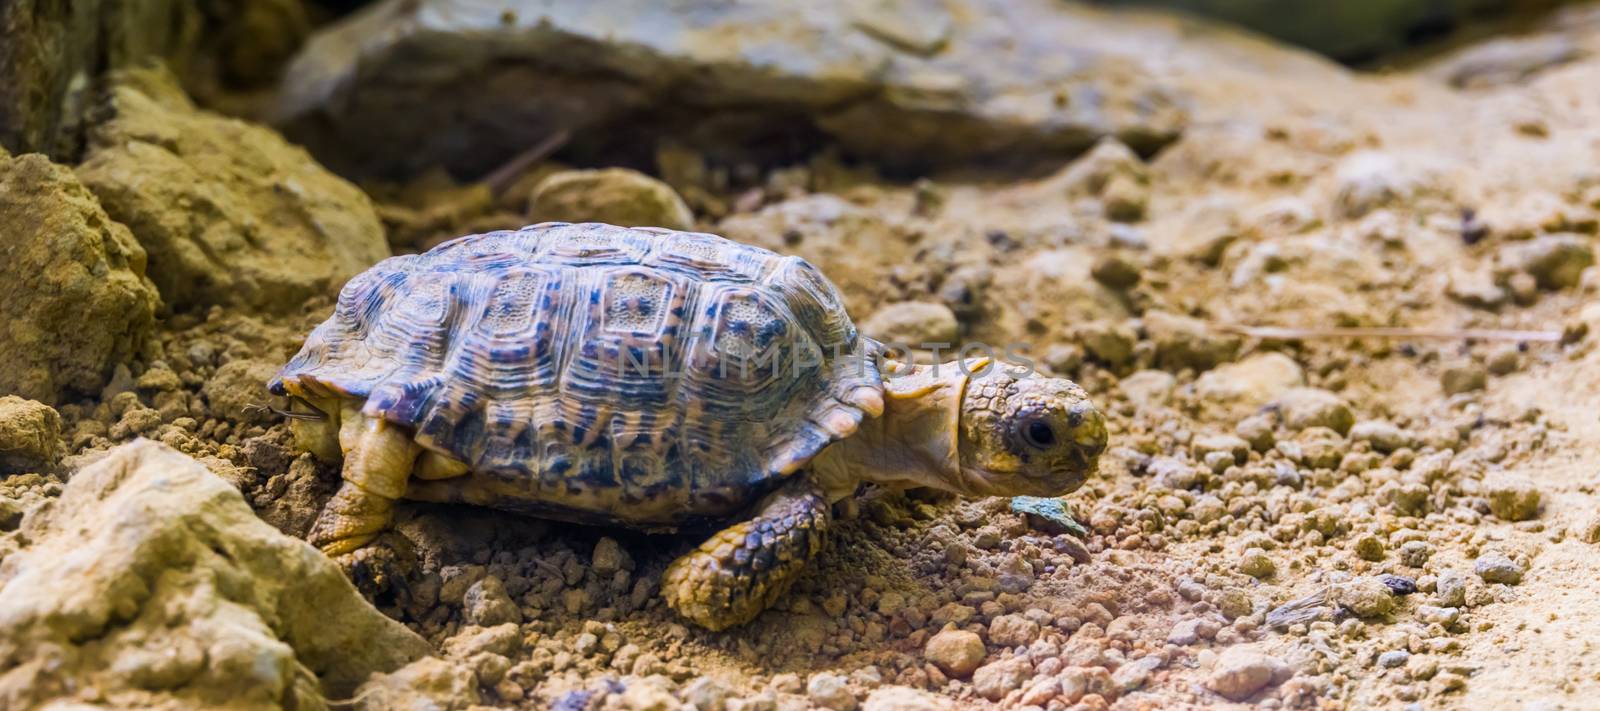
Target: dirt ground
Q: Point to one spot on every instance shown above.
(1284, 520)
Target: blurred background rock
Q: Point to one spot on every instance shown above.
(1355, 31)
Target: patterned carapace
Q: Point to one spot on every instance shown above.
(597, 373)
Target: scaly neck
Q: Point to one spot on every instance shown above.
(914, 442)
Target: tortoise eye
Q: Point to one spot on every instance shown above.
(1038, 434)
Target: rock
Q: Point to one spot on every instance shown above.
(1382, 435)
(1442, 616)
(900, 698)
(1365, 597)
(1415, 553)
(1504, 60)
(74, 299)
(1368, 180)
(52, 51)
(616, 196)
(1504, 359)
(1107, 342)
(1149, 388)
(1496, 567)
(1241, 671)
(707, 694)
(429, 683)
(956, 652)
(1115, 175)
(1185, 633)
(646, 695)
(1554, 261)
(1463, 378)
(1237, 449)
(487, 604)
(1115, 272)
(1133, 675)
(30, 436)
(229, 212)
(1394, 658)
(1370, 548)
(993, 681)
(1095, 170)
(1400, 585)
(1249, 383)
(916, 324)
(609, 557)
(147, 550)
(1013, 630)
(1513, 500)
(1347, 32)
(1257, 564)
(830, 691)
(1475, 288)
(964, 289)
(983, 79)
(1450, 590)
(1258, 431)
(502, 640)
(1303, 408)
(237, 389)
(1183, 342)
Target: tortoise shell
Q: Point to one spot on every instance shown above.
(598, 373)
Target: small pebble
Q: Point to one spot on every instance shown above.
(956, 652)
(1256, 564)
(1394, 658)
(1242, 671)
(831, 691)
(1369, 548)
(1498, 568)
(1514, 500)
(1398, 584)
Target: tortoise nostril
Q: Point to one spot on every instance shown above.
(1089, 433)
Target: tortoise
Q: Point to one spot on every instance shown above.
(659, 380)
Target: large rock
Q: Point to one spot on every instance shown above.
(615, 195)
(913, 82)
(74, 300)
(229, 212)
(1352, 31)
(150, 584)
(30, 435)
(53, 51)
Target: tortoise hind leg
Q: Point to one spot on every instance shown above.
(746, 567)
(378, 459)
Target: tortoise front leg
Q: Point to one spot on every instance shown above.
(378, 459)
(746, 567)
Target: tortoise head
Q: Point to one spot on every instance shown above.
(1027, 434)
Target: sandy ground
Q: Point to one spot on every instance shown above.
(1286, 522)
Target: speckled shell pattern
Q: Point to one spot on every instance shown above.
(598, 373)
